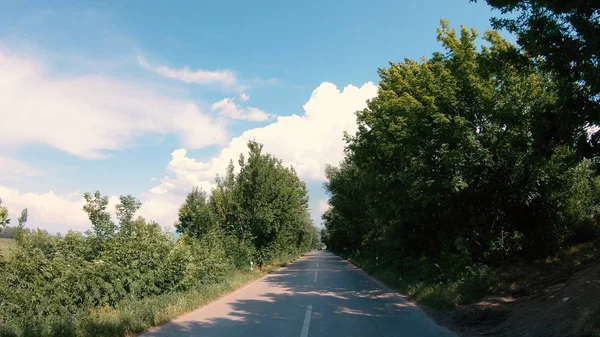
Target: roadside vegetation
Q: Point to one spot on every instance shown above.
(126, 276)
(475, 158)
(6, 246)
(469, 167)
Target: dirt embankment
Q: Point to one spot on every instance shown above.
(555, 297)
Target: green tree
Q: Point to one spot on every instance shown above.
(260, 212)
(273, 204)
(4, 220)
(23, 218)
(126, 208)
(563, 37)
(95, 207)
(50, 284)
(195, 215)
(224, 203)
(451, 161)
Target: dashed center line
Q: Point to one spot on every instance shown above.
(316, 274)
(306, 324)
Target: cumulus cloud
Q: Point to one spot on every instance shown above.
(228, 108)
(308, 142)
(87, 115)
(12, 169)
(244, 96)
(225, 78)
(161, 208)
(184, 173)
(63, 212)
(56, 213)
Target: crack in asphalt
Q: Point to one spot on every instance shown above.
(376, 327)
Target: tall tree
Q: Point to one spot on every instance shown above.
(195, 216)
(126, 208)
(23, 218)
(273, 200)
(95, 207)
(264, 206)
(224, 203)
(452, 158)
(563, 37)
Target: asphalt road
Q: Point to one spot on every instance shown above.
(319, 295)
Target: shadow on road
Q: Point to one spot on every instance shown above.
(343, 299)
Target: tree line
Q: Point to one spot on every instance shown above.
(477, 156)
(49, 284)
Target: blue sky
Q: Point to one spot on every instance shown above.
(151, 98)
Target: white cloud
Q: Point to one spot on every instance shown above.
(87, 115)
(12, 169)
(244, 96)
(56, 213)
(185, 173)
(225, 78)
(312, 140)
(307, 142)
(161, 208)
(324, 205)
(228, 108)
(61, 213)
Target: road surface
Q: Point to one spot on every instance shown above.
(319, 295)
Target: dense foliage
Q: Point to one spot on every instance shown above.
(49, 283)
(562, 37)
(464, 158)
(264, 207)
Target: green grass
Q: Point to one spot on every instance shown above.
(131, 317)
(136, 316)
(472, 286)
(473, 283)
(6, 246)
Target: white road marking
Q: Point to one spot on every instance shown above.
(317, 264)
(306, 324)
(316, 273)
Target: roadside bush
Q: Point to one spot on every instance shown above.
(127, 275)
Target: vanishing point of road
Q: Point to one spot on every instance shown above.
(319, 295)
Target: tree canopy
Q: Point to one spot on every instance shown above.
(562, 37)
(456, 160)
(264, 206)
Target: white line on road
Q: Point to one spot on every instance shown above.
(306, 324)
(316, 273)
